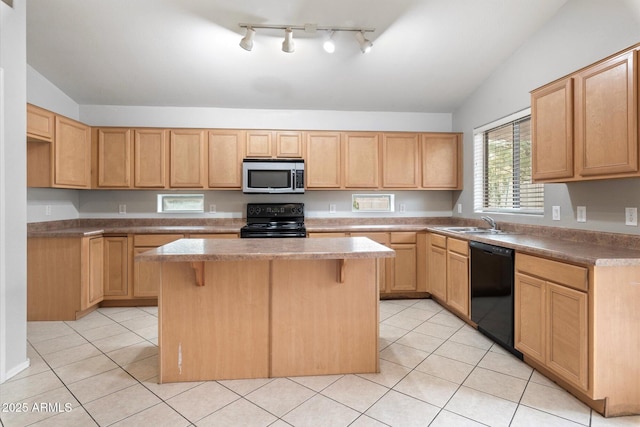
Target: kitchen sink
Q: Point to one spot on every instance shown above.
(474, 230)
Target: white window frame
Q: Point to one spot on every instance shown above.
(479, 168)
(191, 203)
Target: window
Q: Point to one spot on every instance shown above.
(502, 167)
(180, 203)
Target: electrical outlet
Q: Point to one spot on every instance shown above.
(631, 216)
(581, 214)
(122, 209)
(332, 208)
(47, 210)
(212, 208)
(459, 208)
(555, 213)
(402, 208)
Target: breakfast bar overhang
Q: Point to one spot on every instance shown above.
(257, 308)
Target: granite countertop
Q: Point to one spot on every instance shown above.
(353, 228)
(147, 229)
(194, 250)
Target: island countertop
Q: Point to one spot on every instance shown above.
(192, 250)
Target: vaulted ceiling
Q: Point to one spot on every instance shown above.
(428, 55)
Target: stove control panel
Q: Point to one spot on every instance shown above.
(275, 210)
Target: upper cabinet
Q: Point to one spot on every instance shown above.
(226, 151)
(40, 124)
(65, 153)
(441, 155)
(274, 144)
(585, 126)
(188, 155)
(400, 160)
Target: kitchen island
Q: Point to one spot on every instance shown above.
(257, 308)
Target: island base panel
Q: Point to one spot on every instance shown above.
(216, 331)
(319, 325)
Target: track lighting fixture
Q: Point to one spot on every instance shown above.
(247, 41)
(365, 45)
(329, 45)
(288, 44)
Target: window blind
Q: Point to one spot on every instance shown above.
(502, 168)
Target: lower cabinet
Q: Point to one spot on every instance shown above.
(64, 276)
(551, 318)
(403, 275)
(448, 272)
(146, 275)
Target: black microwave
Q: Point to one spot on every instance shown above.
(273, 176)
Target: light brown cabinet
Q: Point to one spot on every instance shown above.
(274, 144)
(400, 160)
(116, 267)
(188, 157)
(72, 154)
(585, 126)
(361, 159)
(448, 273)
(40, 124)
(551, 318)
(441, 155)
(146, 275)
(112, 157)
(323, 168)
(226, 151)
(150, 158)
(64, 276)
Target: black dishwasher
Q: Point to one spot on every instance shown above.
(492, 275)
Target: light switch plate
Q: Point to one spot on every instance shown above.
(555, 213)
(332, 208)
(581, 214)
(122, 209)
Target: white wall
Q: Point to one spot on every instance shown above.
(13, 181)
(582, 32)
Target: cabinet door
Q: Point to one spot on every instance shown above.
(441, 161)
(259, 143)
(384, 264)
(113, 158)
(437, 273)
(400, 160)
(40, 124)
(607, 117)
(404, 268)
(150, 158)
(458, 282)
(289, 144)
(552, 131)
(323, 167)
(225, 158)
(146, 276)
(361, 160)
(116, 267)
(188, 153)
(529, 316)
(72, 154)
(567, 334)
(95, 260)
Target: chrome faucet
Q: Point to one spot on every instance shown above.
(491, 221)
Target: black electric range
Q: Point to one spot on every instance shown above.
(274, 220)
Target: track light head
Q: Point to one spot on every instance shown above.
(329, 45)
(365, 45)
(247, 41)
(287, 45)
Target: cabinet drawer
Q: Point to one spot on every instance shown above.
(569, 275)
(403, 237)
(458, 246)
(155, 239)
(438, 240)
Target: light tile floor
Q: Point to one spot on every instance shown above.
(435, 371)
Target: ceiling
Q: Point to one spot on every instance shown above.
(428, 55)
